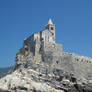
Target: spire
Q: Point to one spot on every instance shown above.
(50, 21)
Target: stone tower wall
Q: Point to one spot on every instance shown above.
(47, 36)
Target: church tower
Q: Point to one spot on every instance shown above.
(51, 28)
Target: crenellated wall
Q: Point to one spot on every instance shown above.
(80, 66)
(83, 59)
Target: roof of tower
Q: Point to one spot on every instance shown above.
(50, 21)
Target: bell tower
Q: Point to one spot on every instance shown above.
(51, 28)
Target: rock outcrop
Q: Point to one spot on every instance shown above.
(42, 66)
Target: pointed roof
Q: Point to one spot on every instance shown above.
(50, 21)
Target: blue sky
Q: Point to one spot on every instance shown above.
(21, 18)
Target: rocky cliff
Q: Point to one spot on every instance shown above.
(32, 76)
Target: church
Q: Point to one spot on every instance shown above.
(43, 41)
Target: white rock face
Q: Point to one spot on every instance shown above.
(16, 81)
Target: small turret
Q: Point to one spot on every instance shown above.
(50, 26)
(50, 22)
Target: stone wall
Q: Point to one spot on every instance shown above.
(30, 43)
(80, 66)
(47, 36)
(82, 58)
(51, 52)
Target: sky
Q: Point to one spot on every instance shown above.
(21, 18)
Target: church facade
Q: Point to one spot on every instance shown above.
(43, 41)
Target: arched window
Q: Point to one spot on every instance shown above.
(52, 28)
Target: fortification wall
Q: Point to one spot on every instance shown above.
(51, 52)
(48, 46)
(81, 66)
(79, 58)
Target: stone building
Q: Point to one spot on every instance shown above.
(43, 41)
